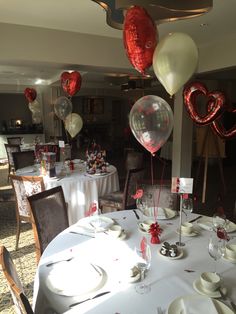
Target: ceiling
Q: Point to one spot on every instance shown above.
(85, 16)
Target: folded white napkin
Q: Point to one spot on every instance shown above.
(198, 304)
(161, 213)
(73, 277)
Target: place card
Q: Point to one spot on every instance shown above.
(182, 185)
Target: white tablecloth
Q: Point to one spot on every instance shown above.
(80, 190)
(169, 279)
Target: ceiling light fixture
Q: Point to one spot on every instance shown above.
(161, 11)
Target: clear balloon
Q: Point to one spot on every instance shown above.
(36, 117)
(62, 107)
(34, 106)
(151, 121)
(175, 60)
(73, 124)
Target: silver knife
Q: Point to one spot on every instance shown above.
(195, 219)
(137, 216)
(96, 296)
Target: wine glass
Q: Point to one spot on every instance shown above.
(143, 264)
(219, 221)
(187, 206)
(216, 248)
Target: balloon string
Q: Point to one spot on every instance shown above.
(161, 184)
(151, 169)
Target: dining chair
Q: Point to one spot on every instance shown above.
(133, 160)
(22, 305)
(49, 216)
(121, 200)
(24, 186)
(14, 140)
(23, 159)
(160, 192)
(11, 148)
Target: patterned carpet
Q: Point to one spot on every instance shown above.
(24, 258)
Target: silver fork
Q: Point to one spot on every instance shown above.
(159, 310)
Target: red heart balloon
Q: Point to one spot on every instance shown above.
(215, 106)
(140, 38)
(30, 94)
(71, 82)
(218, 127)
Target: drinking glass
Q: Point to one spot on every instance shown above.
(143, 264)
(216, 248)
(187, 206)
(219, 221)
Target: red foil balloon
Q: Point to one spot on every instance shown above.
(140, 38)
(218, 127)
(30, 94)
(215, 107)
(71, 82)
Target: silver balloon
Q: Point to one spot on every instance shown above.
(34, 106)
(151, 121)
(62, 107)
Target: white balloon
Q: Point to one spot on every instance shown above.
(73, 124)
(34, 106)
(36, 117)
(175, 60)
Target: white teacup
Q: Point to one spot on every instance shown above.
(146, 224)
(115, 231)
(187, 227)
(210, 281)
(230, 250)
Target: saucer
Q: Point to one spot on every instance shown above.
(134, 278)
(122, 236)
(141, 229)
(180, 254)
(229, 259)
(212, 294)
(192, 234)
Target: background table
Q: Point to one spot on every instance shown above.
(80, 189)
(169, 279)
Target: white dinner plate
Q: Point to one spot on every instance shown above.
(89, 223)
(140, 228)
(206, 223)
(75, 278)
(169, 213)
(176, 306)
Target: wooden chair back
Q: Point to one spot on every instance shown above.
(14, 140)
(23, 187)
(23, 159)
(49, 216)
(21, 302)
(11, 148)
(133, 179)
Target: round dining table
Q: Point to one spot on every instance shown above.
(172, 281)
(81, 189)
